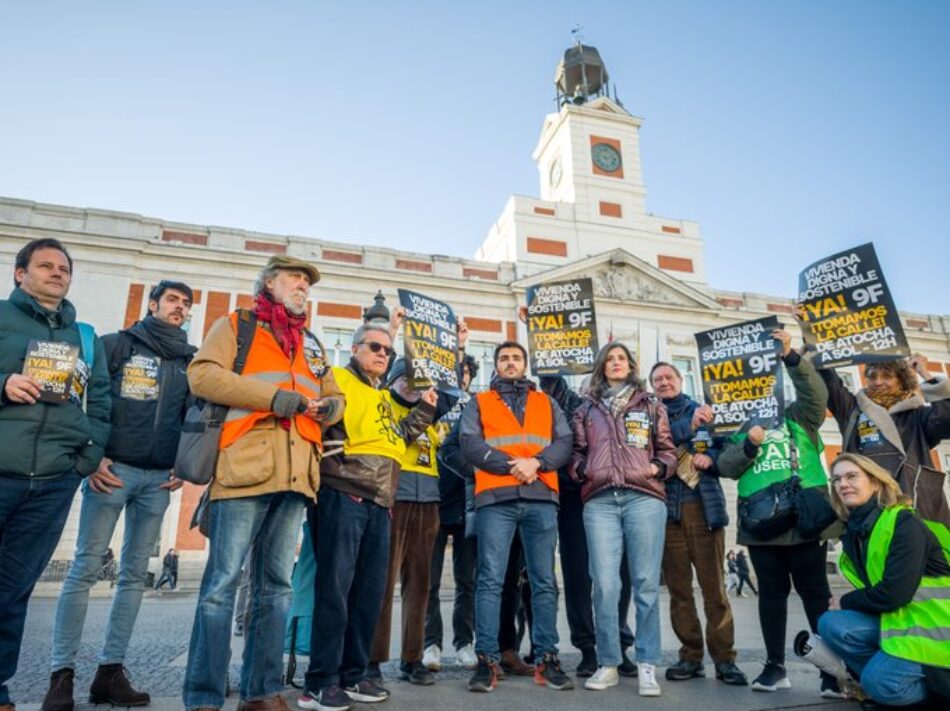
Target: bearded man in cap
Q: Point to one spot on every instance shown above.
(268, 467)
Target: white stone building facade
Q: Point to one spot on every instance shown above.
(590, 220)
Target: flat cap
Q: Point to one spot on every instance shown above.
(282, 261)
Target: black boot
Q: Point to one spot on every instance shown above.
(111, 686)
(59, 697)
(588, 664)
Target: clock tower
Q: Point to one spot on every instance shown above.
(592, 194)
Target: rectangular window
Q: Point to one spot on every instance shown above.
(687, 368)
(482, 353)
(337, 341)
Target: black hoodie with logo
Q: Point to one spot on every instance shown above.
(147, 368)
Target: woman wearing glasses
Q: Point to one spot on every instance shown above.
(893, 630)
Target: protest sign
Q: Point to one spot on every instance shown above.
(562, 329)
(140, 377)
(431, 342)
(846, 311)
(742, 377)
(52, 363)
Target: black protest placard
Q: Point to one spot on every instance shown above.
(53, 365)
(431, 342)
(846, 311)
(562, 328)
(742, 377)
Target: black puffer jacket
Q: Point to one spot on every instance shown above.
(149, 396)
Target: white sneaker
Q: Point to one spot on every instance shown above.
(603, 678)
(466, 657)
(647, 680)
(432, 657)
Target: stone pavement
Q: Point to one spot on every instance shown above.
(158, 654)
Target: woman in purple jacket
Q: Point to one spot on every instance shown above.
(623, 450)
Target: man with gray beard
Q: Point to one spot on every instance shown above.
(268, 468)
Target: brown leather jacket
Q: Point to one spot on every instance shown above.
(616, 452)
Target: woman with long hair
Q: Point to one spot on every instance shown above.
(892, 630)
(623, 450)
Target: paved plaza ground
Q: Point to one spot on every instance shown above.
(158, 653)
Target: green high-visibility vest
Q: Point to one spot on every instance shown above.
(920, 630)
(774, 461)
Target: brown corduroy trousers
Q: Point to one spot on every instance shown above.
(690, 544)
(412, 537)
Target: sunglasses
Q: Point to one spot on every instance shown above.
(377, 347)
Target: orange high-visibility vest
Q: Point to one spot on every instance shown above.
(267, 362)
(503, 431)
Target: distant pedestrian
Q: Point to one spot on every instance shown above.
(169, 570)
(742, 570)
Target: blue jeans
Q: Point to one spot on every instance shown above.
(537, 523)
(32, 516)
(350, 537)
(618, 520)
(856, 637)
(144, 503)
(266, 525)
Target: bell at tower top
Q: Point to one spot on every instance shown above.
(581, 76)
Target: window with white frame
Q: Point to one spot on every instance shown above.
(687, 368)
(337, 342)
(482, 353)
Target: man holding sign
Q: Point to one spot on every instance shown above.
(49, 444)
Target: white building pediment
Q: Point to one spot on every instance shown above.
(620, 276)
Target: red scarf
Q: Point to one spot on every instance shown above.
(285, 326)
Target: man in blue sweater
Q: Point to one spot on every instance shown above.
(695, 537)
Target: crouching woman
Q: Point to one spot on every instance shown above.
(893, 631)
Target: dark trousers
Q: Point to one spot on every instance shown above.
(744, 579)
(414, 528)
(167, 577)
(32, 515)
(778, 568)
(351, 543)
(575, 574)
(690, 544)
(464, 562)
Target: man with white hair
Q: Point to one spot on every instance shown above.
(268, 468)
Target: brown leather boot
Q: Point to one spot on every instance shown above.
(512, 664)
(271, 703)
(59, 696)
(111, 686)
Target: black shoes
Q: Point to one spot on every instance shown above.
(729, 673)
(111, 686)
(588, 664)
(627, 666)
(373, 673)
(685, 669)
(416, 673)
(772, 678)
(484, 678)
(548, 673)
(59, 696)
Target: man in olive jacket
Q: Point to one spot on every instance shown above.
(268, 467)
(48, 445)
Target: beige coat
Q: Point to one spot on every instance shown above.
(268, 458)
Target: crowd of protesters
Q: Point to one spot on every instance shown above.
(621, 475)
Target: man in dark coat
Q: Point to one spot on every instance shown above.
(147, 364)
(695, 537)
(53, 428)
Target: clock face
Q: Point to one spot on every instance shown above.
(555, 175)
(605, 157)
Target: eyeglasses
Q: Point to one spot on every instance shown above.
(377, 347)
(849, 477)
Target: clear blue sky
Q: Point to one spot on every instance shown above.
(788, 130)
